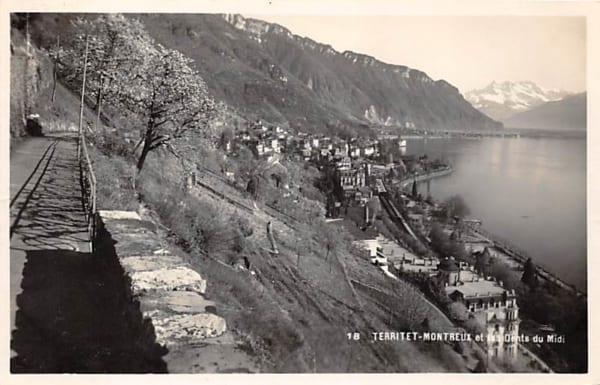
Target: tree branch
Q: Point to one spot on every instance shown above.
(137, 145)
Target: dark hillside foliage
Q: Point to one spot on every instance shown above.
(292, 79)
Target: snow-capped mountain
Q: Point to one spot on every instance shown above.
(500, 100)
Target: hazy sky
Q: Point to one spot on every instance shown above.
(467, 51)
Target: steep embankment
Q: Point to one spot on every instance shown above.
(33, 91)
(321, 296)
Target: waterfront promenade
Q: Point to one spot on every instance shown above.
(521, 257)
(504, 246)
(424, 176)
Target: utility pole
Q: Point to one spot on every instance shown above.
(297, 255)
(99, 103)
(27, 32)
(82, 97)
(54, 74)
(83, 86)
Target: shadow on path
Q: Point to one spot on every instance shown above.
(52, 216)
(74, 316)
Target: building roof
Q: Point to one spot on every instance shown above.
(482, 288)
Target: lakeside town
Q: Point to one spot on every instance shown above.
(368, 183)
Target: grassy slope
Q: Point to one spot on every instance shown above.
(308, 303)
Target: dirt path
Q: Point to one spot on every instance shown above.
(45, 205)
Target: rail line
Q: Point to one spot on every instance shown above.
(397, 217)
(273, 211)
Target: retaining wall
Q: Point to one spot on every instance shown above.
(160, 286)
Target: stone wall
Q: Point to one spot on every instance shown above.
(168, 293)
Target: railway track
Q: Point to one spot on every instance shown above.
(270, 210)
(397, 217)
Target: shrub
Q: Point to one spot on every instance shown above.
(473, 326)
(244, 226)
(458, 311)
(113, 144)
(502, 272)
(199, 223)
(115, 182)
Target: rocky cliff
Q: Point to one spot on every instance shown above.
(267, 72)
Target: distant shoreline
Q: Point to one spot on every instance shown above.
(506, 133)
(425, 177)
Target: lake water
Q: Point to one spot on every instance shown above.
(529, 191)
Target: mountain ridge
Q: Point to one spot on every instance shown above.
(260, 27)
(500, 100)
(565, 114)
(267, 72)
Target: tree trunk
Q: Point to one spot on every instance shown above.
(54, 72)
(53, 84)
(148, 137)
(142, 158)
(99, 104)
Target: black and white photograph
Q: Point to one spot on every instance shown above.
(250, 190)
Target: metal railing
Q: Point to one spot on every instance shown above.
(88, 185)
(87, 177)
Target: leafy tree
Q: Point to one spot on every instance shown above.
(458, 311)
(114, 43)
(252, 186)
(154, 83)
(414, 189)
(169, 96)
(329, 183)
(481, 263)
(529, 276)
(246, 161)
(444, 245)
(503, 272)
(332, 238)
(226, 137)
(456, 206)
(439, 239)
(473, 326)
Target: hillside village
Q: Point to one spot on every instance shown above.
(359, 174)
